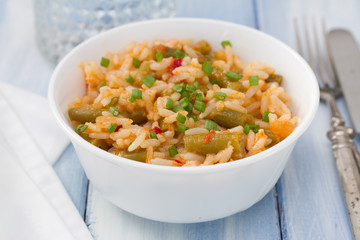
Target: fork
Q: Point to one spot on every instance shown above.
(346, 155)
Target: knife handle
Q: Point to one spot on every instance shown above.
(347, 158)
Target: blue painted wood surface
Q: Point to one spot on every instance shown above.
(72, 175)
(310, 200)
(107, 221)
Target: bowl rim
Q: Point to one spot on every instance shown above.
(117, 160)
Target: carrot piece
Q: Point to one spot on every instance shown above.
(282, 128)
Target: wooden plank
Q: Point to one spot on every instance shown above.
(310, 194)
(311, 201)
(71, 174)
(107, 222)
(22, 65)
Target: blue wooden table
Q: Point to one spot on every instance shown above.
(306, 203)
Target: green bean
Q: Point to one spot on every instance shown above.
(203, 47)
(274, 78)
(138, 116)
(137, 155)
(224, 82)
(89, 114)
(100, 143)
(275, 139)
(195, 143)
(169, 52)
(143, 70)
(84, 114)
(162, 125)
(229, 119)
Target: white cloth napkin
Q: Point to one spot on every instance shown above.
(34, 205)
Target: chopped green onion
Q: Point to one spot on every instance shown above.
(220, 96)
(207, 68)
(253, 127)
(199, 105)
(189, 108)
(178, 108)
(196, 84)
(185, 94)
(159, 57)
(173, 150)
(136, 62)
(169, 104)
(193, 96)
(180, 118)
(149, 80)
(210, 125)
(80, 128)
(233, 76)
(112, 127)
(153, 135)
(182, 128)
(103, 83)
(199, 96)
(137, 93)
(266, 116)
(178, 54)
(246, 129)
(214, 81)
(105, 62)
(113, 101)
(184, 102)
(179, 87)
(254, 80)
(132, 98)
(190, 87)
(129, 79)
(226, 43)
(193, 117)
(193, 87)
(114, 111)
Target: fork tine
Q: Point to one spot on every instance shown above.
(330, 67)
(308, 46)
(321, 66)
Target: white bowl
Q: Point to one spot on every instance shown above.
(191, 194)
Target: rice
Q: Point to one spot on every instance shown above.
(183, 109)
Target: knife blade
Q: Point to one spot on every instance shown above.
(345, 56)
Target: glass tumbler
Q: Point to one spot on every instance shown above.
(62, 24)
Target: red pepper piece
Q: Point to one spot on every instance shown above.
(156, 130)
(176, 63)
(209, 136)
(179, 162)
(117, 128)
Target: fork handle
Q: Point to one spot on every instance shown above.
(347, 160)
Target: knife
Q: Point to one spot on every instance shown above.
(345, 57)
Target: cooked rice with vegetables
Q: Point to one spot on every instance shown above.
(179, 103)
